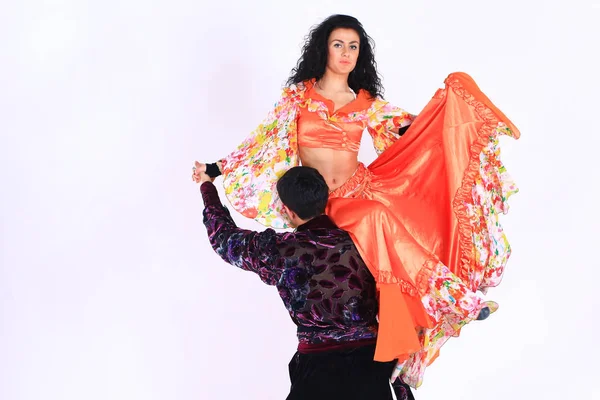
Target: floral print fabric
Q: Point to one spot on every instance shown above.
(250, 173)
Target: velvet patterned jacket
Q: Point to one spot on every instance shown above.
(321, 278)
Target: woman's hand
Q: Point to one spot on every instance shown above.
(397, 370)
(198, 169)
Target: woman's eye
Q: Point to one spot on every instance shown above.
(354, 47)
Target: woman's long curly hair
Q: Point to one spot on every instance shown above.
(313, 61)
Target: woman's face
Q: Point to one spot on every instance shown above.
(343, 45)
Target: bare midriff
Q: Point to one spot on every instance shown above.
(336, 166)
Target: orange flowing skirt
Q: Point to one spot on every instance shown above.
(433, 197)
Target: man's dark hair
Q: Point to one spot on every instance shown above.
(304, 191)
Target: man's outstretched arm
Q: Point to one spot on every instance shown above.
(248, 250)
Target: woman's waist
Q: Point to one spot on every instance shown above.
(354, 185)
(335, 166)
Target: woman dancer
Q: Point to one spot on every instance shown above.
(424, 214)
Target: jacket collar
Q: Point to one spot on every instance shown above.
(320, 222)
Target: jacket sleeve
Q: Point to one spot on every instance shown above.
(249, 250)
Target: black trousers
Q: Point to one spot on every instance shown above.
(345, 375)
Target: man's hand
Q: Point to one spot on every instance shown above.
(202, 177)
(198, 170)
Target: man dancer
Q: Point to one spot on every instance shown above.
(324, 284)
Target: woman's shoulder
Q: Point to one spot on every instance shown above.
(294, 92)
(300, 87)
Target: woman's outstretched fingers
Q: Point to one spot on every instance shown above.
(397, 370)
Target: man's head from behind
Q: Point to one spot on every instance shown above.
(304, 194)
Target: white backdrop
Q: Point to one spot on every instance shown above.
(108, 286)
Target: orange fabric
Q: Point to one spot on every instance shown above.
(406, 210)
(335, 131)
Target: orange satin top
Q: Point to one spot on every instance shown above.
(320, 126)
